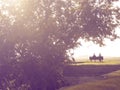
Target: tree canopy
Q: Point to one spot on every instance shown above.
(35, 35)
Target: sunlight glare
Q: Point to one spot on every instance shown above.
(8, 5)
(111, 49)
(12, 9)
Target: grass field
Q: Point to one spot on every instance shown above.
(106, 61)
(88, 75)
(112, 82)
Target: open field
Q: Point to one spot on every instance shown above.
(111, 82)
(106, 61)
(88, 75)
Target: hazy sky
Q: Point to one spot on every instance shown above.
(111, 49)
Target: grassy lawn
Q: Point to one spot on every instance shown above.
(106, 61)
(112, 82)
(86, 75)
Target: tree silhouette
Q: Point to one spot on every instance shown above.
(35, 37)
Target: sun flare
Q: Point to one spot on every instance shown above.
(10, 6)
(12, 9)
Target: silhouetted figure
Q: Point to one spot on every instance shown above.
(94, 57)
(100, 57)
(100, 54)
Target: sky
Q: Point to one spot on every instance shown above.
(111, 49)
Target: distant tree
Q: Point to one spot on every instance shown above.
(35, 37)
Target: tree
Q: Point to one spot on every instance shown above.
(35, 36)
